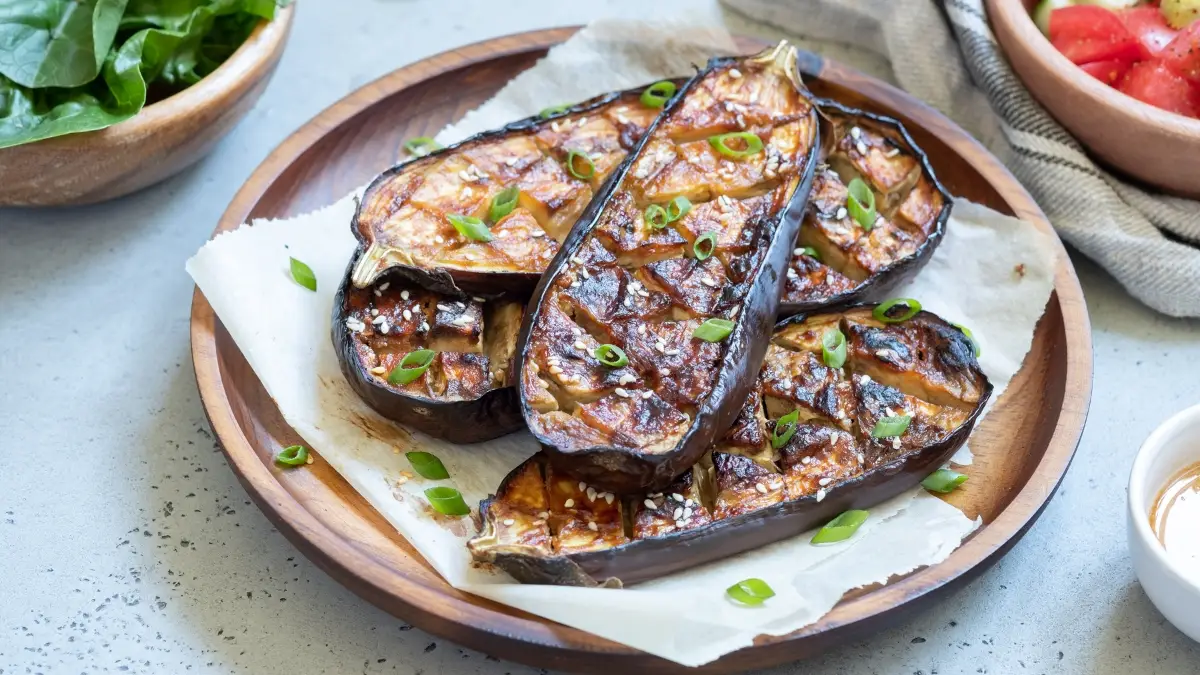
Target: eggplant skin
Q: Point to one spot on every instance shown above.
(496, 413)
(648, 558)
(620, 470)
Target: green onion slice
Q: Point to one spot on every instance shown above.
(412, 366)
(547, 113)
(883, 311)
(656, 216)
(887, 427)
(447, 501)
(810, 252)
(841, 528)
(750, 144)
(713, 330)
(657, 94)
(833, 348)
(428, 465)
(678, 208)
(751, 592)
(785, 428)
(293, 455)
(970, 336)
(705, 245)
(860, 201)
(303, 274)
(470, 227)
(943, 481)
(610, 355)
(421, 146)
(503, 203)
(580, 165)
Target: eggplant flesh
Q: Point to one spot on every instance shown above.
(465, 395)
(644, 287)
(403, 221)
(542, 527)
(838, 261)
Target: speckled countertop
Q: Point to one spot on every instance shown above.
(127, 545)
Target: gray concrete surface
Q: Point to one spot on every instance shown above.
(126, 544)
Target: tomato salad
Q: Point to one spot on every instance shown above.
(1148, 50)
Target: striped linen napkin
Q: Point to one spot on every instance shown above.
(944, 52)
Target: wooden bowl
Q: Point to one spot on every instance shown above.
(1154, 146)
(163, 139)
(1022, 449)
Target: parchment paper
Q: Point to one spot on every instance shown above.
(283, 330)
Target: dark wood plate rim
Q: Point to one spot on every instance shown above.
(434, 610)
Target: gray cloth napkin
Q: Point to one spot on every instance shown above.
(957, 67)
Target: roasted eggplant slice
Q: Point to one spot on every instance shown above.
(465, 394)
(693, 231)
(840, 261)
(745, 492)
(554, 162)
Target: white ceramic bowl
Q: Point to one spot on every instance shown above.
(1175, 591)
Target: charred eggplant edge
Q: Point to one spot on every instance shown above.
(623, 471)
(645, 559)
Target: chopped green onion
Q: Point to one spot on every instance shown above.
(657, 94)
(470, 227)
(883, 311)
(584, 172)
(841, 528)
(943, 481)
(412, 366)
(713, 330)
(428, 465)
(888, 427)
(447, 501)
(547, 113)
(810, 252)
(678, 208)
(421, 146)
(503, 203)
(705, 245)
(293, 455)
(971, 337)
(860, 201)
(610, 355)
(833, 348)
(751, 592)
(751, 142)
(303, 275)
(656, 216)
(785, 428)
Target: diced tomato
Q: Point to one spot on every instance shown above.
(1154, 83)
(1087, 33)
(1149, 27)
(1109, 72)
(1183, 54)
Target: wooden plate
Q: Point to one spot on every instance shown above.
(1022, 450)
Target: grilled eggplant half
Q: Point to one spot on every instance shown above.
(838, 260)
(465, 393)
(406, 219)
(757, 484)
(642, 338)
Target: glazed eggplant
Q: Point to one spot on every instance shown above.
(768, 478)
(839, 259)
(456, 381)
(642, 338)
(526, 183)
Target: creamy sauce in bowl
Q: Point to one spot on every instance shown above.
(1175, 518)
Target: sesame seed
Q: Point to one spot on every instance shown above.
(689, 502)
(821, 494)
(509, 521)
(622, 119)
(735, 73)
(861, 458)
(554, 127)
(797, 252)
(579, 345)
(708, 282)
(672, 352)
(665, 372)
(650, 504)
(841, 414)
(585, 273)
(627, 378)
(575, 259)
(575, 284)
(841, 213)
(544, 514)
(379, 370)
(569, 503)
(511, 161)
(754, 97)
(855, 133)
(609, 497)
(647, 394)
(355, 325)
(378, 320)
(464, 320)
(537, 234)
(656, 495)
(374, 312)
(591, 494)
(424, 325)
(642, 293)
(677, 497)
(761, 488)
(792, 273)
(786, 384)
(628, 301)
(478, 299)
(583, 120)
(384, 329)
(861, 148)
(866, 379)
(439, 239)
(833, 437)
(687, 513)
(460, 305)
(679, 524)
(678, 513)
(734, 312)
(577, 331)
(378, 293)
(407, 314)
(642, 329)
(806, 460)
(555, 370)
(661, 347)
(592, 526)
(896, 443)
(892, 153)
(825, 481)
(384, 285)
(582, 486)
(444, 308)
(621, 392)
(741, 121)
(309, 460)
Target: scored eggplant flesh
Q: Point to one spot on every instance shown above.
(745, 493)
(645, 287)
(852, 263)
(403, 220)
(465, 395)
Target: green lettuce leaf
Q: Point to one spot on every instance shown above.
(56, 43)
